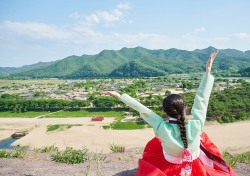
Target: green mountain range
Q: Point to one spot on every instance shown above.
(135, 62)
(5, 71)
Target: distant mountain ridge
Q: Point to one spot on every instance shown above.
(135, 62)
(10, 70)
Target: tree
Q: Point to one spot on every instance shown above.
(184, 84)
(167, 93)
(190, 85)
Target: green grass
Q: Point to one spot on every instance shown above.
(77, 112)
(244, 157)
(28, 114)
(46, 149)
(116, 148)
(18, 152)
(71, 156)
(232, 160)
(89, 112)
(126, 126)
(60, 127)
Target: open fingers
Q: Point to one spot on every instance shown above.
(210, 61)
(214, 54)
(106, 93)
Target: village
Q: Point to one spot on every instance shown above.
(83, 89)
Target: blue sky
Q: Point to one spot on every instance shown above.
(34, 31)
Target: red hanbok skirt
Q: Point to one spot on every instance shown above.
(153, 162)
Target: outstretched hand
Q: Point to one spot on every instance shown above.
(112, 93)
(210, 61)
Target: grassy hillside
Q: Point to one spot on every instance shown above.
(140, 62)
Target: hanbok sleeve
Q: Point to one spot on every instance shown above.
(149, 116)
(199, 109)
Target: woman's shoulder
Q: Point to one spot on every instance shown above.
(194, 123)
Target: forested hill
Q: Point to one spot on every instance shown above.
(4, 71)
(139, 62)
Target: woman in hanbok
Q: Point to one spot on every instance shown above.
(180, 146)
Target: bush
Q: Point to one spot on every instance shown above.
(46, 149)
(19, 152)
(116, 148)
(71, 156)
(5, 154)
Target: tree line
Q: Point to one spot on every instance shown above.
(18, 105)
(232, 104)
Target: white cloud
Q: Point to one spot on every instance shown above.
(108, 18)
(36, 30)
(242, 36)
(201, 29)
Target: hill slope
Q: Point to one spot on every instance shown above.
(135, 69)
(109, 62)
(10, 70)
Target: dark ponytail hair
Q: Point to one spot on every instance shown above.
(174, 106)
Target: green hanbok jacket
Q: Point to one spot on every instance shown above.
(170, 133)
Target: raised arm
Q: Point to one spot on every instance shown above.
(149, 116)
(199, 109)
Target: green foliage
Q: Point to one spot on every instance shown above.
(27, 114)
(245, 72)
(106, 102)
(42, 104)
(19, 152)
(130, 90)
(127, 125)
(232, 160)
(5, 154)
(46, 149)
(38, 94)
(10, 97)
(116, 148)
(230, 105)
(98, 158)
(60, 126)
(71, 156)
(167, 93)
(244, 157)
